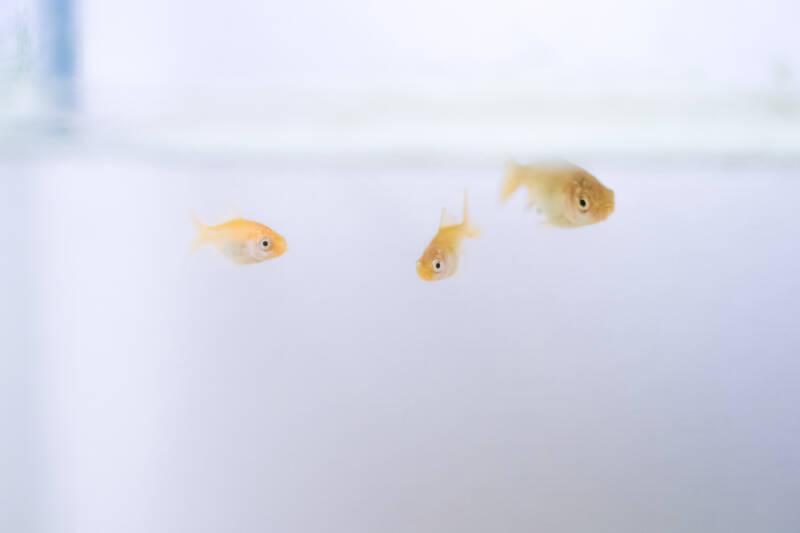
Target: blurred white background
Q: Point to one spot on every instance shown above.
(640, 374)
(628, 78)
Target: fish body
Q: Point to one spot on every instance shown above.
(568, 195)
(242, 241)
(440, 259)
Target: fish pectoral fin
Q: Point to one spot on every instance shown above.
(532, 200)
(558, 222)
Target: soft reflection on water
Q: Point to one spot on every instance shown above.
(640, 374)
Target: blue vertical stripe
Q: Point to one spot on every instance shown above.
(58, 18)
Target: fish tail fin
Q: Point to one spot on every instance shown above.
(201, 235)
(471, 230)
(511, 182)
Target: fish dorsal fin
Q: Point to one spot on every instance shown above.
(231, 214)
(447, 219)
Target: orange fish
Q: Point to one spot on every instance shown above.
(567, 194)
(244, 242)
(440, 258)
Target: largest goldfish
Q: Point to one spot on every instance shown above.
(243, 241)
(440, 258)
(567, 194)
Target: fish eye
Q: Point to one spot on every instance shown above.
(437, 265)
(583, 203)
(265, 243)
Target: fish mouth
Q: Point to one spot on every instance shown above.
(421, 271)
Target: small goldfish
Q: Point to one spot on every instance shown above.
(244, 242)
(440, 258)
(567, 194)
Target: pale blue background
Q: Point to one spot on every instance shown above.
(637, 375)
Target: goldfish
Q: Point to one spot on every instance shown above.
(244, 242)
(440, 258)
(567, 194)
